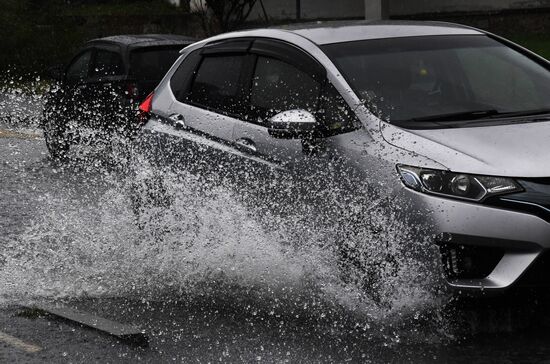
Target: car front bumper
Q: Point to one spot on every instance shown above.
(517, 238)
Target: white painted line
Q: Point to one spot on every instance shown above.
(19, 135)
(18, 343)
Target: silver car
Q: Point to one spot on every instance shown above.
(448, 123)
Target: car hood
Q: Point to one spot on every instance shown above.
(518, 150)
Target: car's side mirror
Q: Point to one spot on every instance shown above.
(292, 124)
(56, 73)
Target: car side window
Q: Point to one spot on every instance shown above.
(217, 84)
(180, 82)
(78, 70)
(334, 114)
(107, 63)
(278, 86)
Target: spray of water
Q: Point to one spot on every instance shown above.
(153, 233)
(133, 241)
(21, 100)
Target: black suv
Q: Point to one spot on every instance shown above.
(101, 87)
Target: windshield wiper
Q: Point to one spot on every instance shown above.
(522, 113)
(458, 116)
(481, 114)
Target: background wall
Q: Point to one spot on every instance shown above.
(311, 9)
(323, 9)
(41, 33)
(408, 7)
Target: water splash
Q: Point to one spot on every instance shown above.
(21, 98)
(201, 237)
(107, 232)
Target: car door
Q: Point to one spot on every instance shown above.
(210, 97)
(302, 170)
(284, 78)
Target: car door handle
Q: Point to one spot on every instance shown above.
(247, 144)
(178, 121)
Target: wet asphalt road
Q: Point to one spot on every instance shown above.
(221, 328)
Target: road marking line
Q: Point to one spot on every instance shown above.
(18, 343)
(14, 134)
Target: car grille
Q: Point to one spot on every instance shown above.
(535, 199)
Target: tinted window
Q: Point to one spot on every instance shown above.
(151, 64)
(181, 79)
(78, 70)
(217, 84)
(334, 112)
(278, 86)
(107, 63)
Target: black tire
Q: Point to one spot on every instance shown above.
(56, 140)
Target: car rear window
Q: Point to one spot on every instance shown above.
(107, 63)
(151, 64)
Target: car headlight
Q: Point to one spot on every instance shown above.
(457, 185)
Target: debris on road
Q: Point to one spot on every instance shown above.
(127, 333)
(18, 343)
(19, 134)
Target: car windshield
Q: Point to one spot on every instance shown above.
(471, 78)
(151, 64)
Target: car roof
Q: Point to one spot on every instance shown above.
(143, 40)
(322, 33)
(347, 31)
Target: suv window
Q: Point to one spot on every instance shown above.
(107, 63)
(151, 64)
(78, 70)
(217, 84)
(278, 86)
